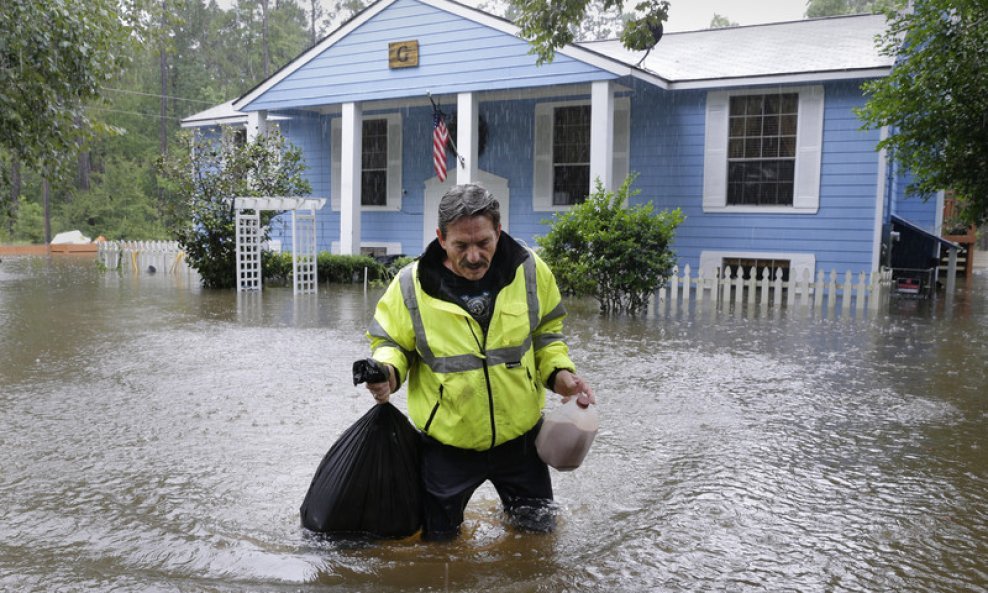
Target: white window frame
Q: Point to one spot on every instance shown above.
(394, 196)
(809, 150)
(392, 248)
(798, 262)
(542, 149)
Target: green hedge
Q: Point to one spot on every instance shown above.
(336, 269)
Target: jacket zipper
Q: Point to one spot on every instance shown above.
(487, 380)
(435, 409)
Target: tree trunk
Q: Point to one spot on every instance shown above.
(15, 193)
(313, 6)
(85, 168)
(265, 42)
(83, 162)
(163, 72)
(45, 194)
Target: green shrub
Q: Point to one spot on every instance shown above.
(618, 255)
(347, 269)
(276, 268)
(30, 223)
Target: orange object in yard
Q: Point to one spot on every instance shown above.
(71, 248)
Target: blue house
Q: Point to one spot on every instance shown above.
(751, 131)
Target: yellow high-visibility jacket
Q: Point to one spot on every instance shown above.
(466, 388)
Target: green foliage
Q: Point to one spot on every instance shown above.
(935, 103)
(207, 176)
(276, 268)
(819, 8)
(720, 21)
(346, 269)
(115, 207)
(336, 269)
(551, 24)
(616, 254)
(641, 33)
(54, 57)
(30, 223)
(71, 71)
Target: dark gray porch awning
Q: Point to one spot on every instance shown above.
(943, 242)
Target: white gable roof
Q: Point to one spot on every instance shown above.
(817, 49)
(790, 52)
(316, 62)
(222, 114)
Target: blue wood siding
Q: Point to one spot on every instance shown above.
(917, 210)
(455, 54)
(667, 150)
(310, 132)
(508, 154)
(667, 146)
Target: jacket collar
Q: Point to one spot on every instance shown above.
(508, 255)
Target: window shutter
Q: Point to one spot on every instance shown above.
(336, 132)
(809, 148)
(542, 182)
(622, 140)
(394, 162)
(715, 151)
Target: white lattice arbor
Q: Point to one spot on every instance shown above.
(248, 225)
(248, 251)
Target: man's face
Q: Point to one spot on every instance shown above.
(469, 244)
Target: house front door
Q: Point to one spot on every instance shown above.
(434, 191)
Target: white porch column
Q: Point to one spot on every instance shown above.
(467, 137)
(257, 124)
(601, 134)
(952, 271)
(350, 165)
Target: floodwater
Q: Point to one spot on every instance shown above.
(159, 437)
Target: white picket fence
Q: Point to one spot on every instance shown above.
(727, 288)
(140, 257)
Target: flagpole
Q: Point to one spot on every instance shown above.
(435, 109)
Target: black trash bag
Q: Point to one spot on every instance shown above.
(369, 481)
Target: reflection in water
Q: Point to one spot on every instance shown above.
(155, 436)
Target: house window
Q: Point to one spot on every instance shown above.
(380, 162)
(374, 163)
(761, 149)
(561, 152)
(240, 137)
(794, 265)
(570, 155)
(759, 266)
(372, 248)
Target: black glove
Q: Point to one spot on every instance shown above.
(369, 370)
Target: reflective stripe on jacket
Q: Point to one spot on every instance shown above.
(466, 388)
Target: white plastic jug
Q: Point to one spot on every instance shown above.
(567, 433)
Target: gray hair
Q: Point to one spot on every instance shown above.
(462, 201)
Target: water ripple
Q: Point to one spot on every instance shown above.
(169, 449)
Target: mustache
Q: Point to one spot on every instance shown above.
(480, 265)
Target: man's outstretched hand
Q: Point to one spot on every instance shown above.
(568, 384)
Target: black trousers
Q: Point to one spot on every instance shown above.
(450, 476)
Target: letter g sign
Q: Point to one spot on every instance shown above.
(403, 54)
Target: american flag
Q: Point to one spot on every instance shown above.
(440, 136)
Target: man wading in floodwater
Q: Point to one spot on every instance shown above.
(475, 325)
